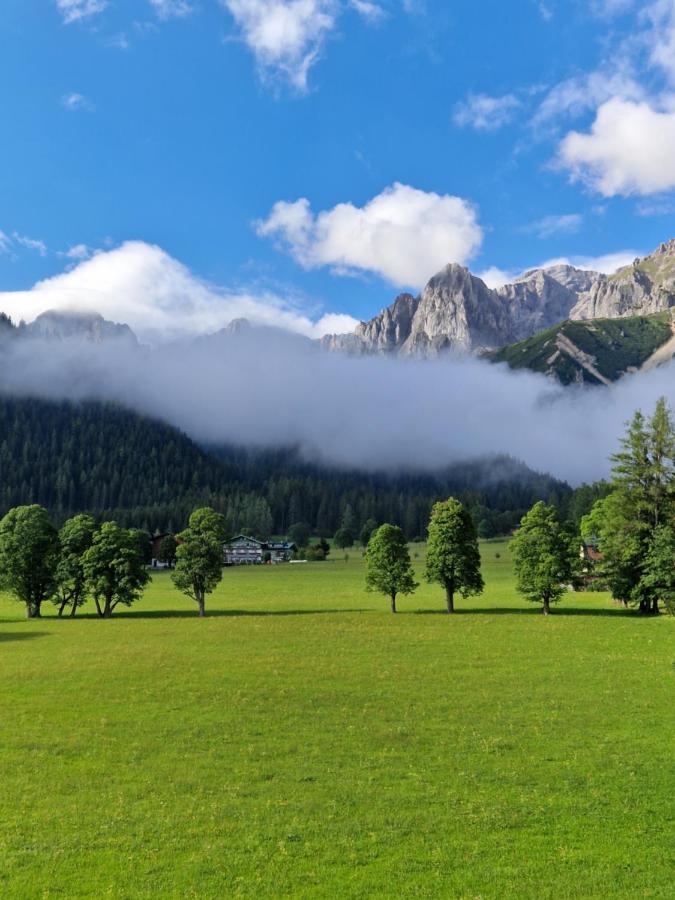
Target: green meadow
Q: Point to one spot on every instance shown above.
(303, 742)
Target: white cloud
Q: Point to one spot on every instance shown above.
(78, 251)
(372, 12)
(661, 16)
(285, 36)
(404, 234)
(485, 113)
(172, 9)
(5, 243)
(607, 264)
(31, 243)
(576, 96)
(74, 102)
(76, 10)
(607, 9)
(630, 149)
(660, 208)
(552, 225)
(157, 296)
(495, 277)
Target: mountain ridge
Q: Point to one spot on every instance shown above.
(457, 311)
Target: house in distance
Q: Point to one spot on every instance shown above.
(247, 551)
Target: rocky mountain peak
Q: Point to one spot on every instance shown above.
(69, 325)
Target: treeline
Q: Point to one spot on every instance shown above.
(117, 465)
(631, 527)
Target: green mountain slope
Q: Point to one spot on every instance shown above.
(594, 351)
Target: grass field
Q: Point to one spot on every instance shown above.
(304, 742)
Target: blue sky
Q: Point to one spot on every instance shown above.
(318, 156)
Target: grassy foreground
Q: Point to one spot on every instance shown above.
(302, 741)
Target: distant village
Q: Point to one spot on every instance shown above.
(241, 550)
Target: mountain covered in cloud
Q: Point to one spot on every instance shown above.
(457, 311)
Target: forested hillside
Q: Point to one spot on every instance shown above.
(116, 464)
(593, 351)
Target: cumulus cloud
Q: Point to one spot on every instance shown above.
(630, 149)
(218, 391)
(285, 36)
(172, 9)
(403, 234)
(485, 113)
(160, 298)
(76, 10)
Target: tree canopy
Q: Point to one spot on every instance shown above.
(29, 548)
(388, 566)
(199, 556)
(453, 556)
(75, 538)
(633, 525)
(543, 557)
(114, 568)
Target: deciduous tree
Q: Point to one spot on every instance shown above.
(114, 568)
(343, 538)
(543, 557)
(199, 556)
(388, 566)
(167, 550)
(453, 557)
(75, 538)
(299, 534)
(29, 548)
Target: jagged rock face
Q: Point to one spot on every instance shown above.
(542, 297)
(391, 329)
(648, 286)
(457, 311)
(66, 326)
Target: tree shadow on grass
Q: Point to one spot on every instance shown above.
(535, 611)
(224, 613)
(6, 636)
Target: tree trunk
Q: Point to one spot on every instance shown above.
(546, 609)
(202, 607)
(62, 607)
(655, 606)
(30, 611)
(73, 610)
(450, 597)
(393, 603)
(107, 609)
